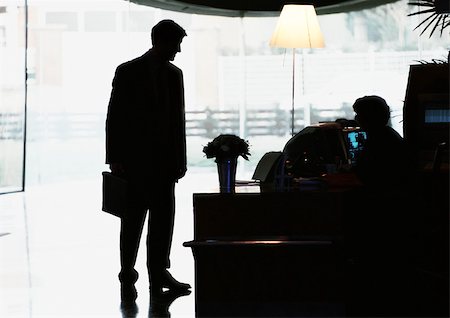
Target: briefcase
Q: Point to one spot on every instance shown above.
(115, 190)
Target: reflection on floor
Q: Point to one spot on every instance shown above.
(59, 253)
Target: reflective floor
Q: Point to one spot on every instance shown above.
(59, 253)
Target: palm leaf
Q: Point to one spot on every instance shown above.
(444, 24)
(421, 12)
(435, 25)
(421, 4)
(435, 16)
(438, 16)
(431, 16)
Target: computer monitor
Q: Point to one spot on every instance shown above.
(267, 167)
(310, 152)
(313, 151)
(355, 140)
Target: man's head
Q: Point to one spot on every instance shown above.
(166, 38)
(371, 112)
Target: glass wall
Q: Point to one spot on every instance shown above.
(12, 94)
(234, 82)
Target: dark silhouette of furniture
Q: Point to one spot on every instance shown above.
(314, 254)
(269, 254)
(426, 128)
(426, 110)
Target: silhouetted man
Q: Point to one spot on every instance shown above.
(381, 227)
(146, 144)
(383, 162)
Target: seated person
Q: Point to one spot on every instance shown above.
(383, 163)
(380, 230)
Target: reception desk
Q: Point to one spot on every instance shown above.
(338, 251)
(269, 254)
(271, 214)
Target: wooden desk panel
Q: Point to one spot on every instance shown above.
(277, 254)
(284, 255)
(268, 215)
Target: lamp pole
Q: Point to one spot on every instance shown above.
(297, 27)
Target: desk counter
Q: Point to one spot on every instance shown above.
(270, 214)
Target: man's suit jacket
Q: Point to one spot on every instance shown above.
(145, 125)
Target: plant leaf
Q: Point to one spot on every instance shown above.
(444, 24)
(431, 22)
(431, 16)
(421, 1)
(420, 4)
(421, 12)
(435, 26)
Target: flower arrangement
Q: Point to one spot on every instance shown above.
(227, 146)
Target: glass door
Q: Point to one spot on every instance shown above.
(12, 95)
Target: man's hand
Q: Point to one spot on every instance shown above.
(117, 168)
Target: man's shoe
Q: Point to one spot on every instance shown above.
(172, 284)
(160, 298)
(156, 291)
(128, 292)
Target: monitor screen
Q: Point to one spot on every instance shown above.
(435, 116)
(313, 149)
(355, 143)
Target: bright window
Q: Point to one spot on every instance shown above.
(12, 95)
(234, 81)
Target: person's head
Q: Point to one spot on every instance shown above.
(371, 112)
(166, 38)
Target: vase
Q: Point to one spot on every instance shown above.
(226, 169)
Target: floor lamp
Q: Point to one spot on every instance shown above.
(297, 27)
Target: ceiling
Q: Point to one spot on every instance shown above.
(256, 8)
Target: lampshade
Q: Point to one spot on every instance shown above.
(297, 27)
